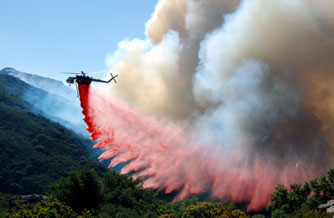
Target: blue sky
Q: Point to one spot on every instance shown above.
(46, 37)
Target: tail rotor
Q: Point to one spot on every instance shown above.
(113, 77)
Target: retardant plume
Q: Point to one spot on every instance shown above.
(226, 97)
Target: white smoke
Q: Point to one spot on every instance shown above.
(250, 75)
(194, 49)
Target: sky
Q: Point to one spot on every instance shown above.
(48, 37)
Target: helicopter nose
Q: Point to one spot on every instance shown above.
(70, 80)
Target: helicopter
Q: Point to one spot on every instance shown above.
(82, 78)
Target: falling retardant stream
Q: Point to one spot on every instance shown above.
(170, 158)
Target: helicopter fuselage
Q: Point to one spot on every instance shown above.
(83, 79)
(80, 80)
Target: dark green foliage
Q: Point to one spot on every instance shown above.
(258, 216)
(53, 209)
(204, 209)
(279, 199)
(121, 189)
(4, 203)
(302, 198)
(115, 195)
(213, 210)
(301, 213)
(192, 208)
(111, 195)
(179, 207)
(34, 150)
(80, 190)
(278, 213)
(124, 197)
(310, 214)
(287, 202)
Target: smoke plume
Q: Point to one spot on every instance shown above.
(226, 97)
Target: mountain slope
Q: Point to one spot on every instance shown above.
(34, 150)
(49, 85)
(66, 111)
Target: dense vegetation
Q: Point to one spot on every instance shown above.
(43, 209)
(83, 193)
(86, 194)
(34, 150)
(302, 199)
(4, 203)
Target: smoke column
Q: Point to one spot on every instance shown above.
(225, 97)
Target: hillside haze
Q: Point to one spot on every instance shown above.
(47, 84)
(34, 150)
(50, 98)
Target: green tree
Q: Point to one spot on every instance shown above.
(213, 210)
(278, 213)
(302, 198)
(80, 190)
(279, 199)
(113, 195)
(53, 209)
(121, 192)
(4, 203)
(231, 211)
(169, 215)
(178, 207)
(310, 214)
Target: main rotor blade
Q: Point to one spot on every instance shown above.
(103, 71)
(70, 73)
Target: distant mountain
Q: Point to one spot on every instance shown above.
(34, 150)
(50, 98)
(47, 84)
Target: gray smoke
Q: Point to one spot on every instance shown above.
(252, 77)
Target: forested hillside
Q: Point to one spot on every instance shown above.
(34, 150)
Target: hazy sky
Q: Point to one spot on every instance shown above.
(46, 37)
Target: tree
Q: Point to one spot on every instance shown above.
(113, 195)
(302, 199)
(53, 209)
(310, 214)
(279, 199)
(4, 203)
(177, 208)
(212, 210)
(124, 192)
(80, 190)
